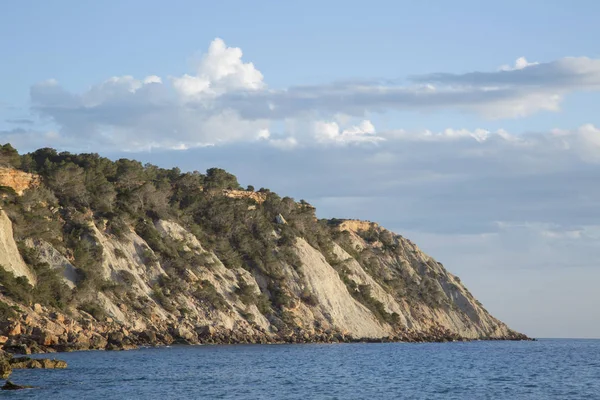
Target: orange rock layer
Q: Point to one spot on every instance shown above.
(19, 181)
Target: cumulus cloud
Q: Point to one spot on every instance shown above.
(132, 114)
(221, 70)
(226, 100)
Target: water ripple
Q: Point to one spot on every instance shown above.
(548, 369)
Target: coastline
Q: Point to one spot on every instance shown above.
(115, 341)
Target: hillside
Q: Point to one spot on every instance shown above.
(99, 254)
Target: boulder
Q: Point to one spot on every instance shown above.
(165, 338)
(116, 338)
(44, 338)
(58, 317)
(185, 334)
(17, 347)
(205, 331)
(148, 336)
(14, 330)
(97, 341)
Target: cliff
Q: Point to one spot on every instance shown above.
(175, 264)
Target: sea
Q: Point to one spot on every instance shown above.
(544, 369)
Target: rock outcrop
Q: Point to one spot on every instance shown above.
(17, 180)
(356, 225)
(8, 363)
(10, 258)
(258, 197)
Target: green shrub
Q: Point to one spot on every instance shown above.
(118, 227)
(17, 288)
(6, 312)
(148, 257)
(248, 316)
(94, 310)
(279, 296)
(119, 253)
(246, 292)
(263, 304)
(162, 299)
(308, 298)
(126, 277)
(207, 294)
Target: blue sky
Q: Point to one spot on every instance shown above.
(468, 126)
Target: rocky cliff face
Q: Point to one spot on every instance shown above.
(369, 284)
(10, 258)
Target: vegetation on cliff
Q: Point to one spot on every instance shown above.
(81, 201)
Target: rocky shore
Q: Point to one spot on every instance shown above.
(63, 334)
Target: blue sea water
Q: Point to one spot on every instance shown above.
(546, 369)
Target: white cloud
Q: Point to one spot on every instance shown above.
(128, 113)
(286, 143)
(582, 142)
(585, 141)
(480, 135)
(330, 132)
(221, 70)
(264, 134)
(152, 79)
(227, 100)
(189, 86)
(519, 64)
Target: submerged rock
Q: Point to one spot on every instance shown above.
(31, 363)
(11, 386)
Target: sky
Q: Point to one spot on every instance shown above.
(469, 127)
